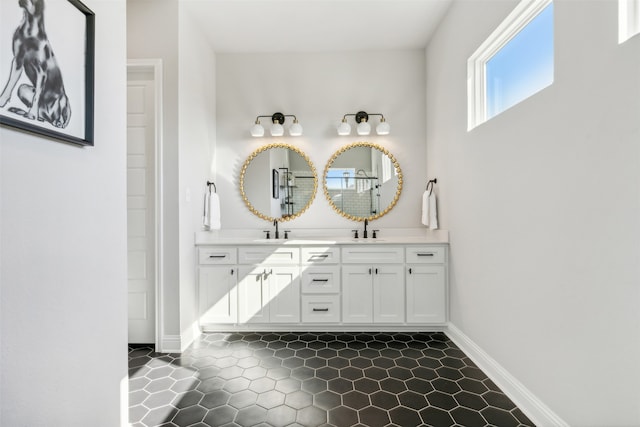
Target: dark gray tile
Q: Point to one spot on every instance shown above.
(467, 417)
(270, 399)
(405, 417)
(299, 399)
(384, 399)
(215, 398)
(281, 416)
(189, 416)
(355, 400)
(251, 416)
(326, 400)
(311, 416)
(373, 417)
(343, 416)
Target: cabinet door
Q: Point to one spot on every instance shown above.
(426, 294)
(217, 294)
(253, 295)
(388, 294)
(284, 294)
(357, 294)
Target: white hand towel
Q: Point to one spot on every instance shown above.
(433, 211)
(214, 212)
(425, 208)
(206, 222)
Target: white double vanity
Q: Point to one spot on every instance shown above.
(397, 281)
(323, 284)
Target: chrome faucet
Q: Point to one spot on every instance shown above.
(364, 233)
(277, 234)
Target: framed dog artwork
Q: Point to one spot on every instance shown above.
(47, 68)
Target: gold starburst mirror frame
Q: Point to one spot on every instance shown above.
(267, 184)
(374, 177)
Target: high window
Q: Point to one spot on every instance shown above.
(515, 62)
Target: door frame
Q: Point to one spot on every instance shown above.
(153, 67)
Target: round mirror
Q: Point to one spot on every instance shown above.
(362, 181)
(278, 182)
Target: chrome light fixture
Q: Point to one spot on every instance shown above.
(363, 127)
(277, 128)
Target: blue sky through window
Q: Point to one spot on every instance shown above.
(523, 66)
(340, 178)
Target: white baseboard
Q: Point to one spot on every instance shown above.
(532, 407)
(315, 327)
(170, 344)
(189, 335)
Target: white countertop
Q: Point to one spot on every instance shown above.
(300, 238)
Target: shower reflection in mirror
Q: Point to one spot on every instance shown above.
(291, 178)
(355, 179)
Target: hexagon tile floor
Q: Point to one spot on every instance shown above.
(315, 379)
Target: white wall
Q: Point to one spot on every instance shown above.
(543, 207)
(63, 267)
(319, 89)
(196, 153)
(152, 32)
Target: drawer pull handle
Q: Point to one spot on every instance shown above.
(428, 254)
(320, 309)
(217, 256)
(320, 280)
(320, 256)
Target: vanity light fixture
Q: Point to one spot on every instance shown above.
(277, 128)
(363, 127)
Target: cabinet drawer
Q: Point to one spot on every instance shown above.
(320, 255)
(426, 254)
(217, 255)
(372, 255)
(268, 254)
(321, 280)
(320, 308)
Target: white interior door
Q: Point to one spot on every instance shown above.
(141, 209)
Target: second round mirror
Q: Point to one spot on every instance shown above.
(362, 181)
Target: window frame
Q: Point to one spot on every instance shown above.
(628, 19)
(520, 17)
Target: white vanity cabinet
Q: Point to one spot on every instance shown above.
(396, 284)
(373, 292)
(269, 286)
(426, 284)
(217, 285)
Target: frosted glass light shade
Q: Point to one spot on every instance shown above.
(277, 129)
(295, 129)
(344, 128)
(257, 130)
(364, 128)
(383, 128)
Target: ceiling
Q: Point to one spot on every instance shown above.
(245, 26)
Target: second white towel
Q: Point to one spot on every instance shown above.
(433, 211)
(429, 210)
(425, 208)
